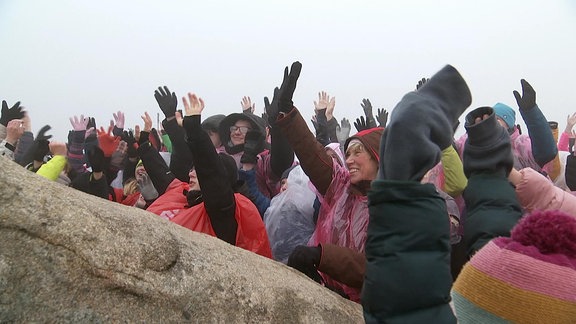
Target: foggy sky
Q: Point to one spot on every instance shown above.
(62, 58)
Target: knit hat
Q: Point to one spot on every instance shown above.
(370, 138)
(506, 113)
(527, 278)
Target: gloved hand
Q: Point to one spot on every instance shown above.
(288, 86)
(167, 101)
(40, 145)
(42, 133)
(361, 124)
(41, 149)
(128, 137)
(146, 187)
(8, 114)
(96, 159)
(528, 99)
(367, 107)
(119, 156)
(382, 117)
(421, 83)
(107, 142)
(306, 260)
(253, 145)
(343, 131)
(271, 108)
(91, 123)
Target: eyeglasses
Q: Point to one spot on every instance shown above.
(243, 129)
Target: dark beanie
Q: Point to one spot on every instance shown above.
(370, 138)
(212, 123)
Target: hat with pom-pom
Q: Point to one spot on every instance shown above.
(527, 278)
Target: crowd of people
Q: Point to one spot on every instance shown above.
(415, 224)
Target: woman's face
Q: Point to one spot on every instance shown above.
(194, 184)
(360, 165)
(238, 131)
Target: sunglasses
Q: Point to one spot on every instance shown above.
(243, 129)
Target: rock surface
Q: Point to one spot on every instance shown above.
(66, 256)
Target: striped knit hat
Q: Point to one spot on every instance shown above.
(527, 278)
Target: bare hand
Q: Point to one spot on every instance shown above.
(247, 105)
(119, 119)
(570, 122)
(147, 122)
(79, 123)
(323, 99)
(194, 105)
(14, 131)
(330, 108)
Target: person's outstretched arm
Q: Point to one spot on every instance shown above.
(408, 277)
(213, 177)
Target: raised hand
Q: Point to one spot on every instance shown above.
(194, 105)
(78, 123)
(8, 114)
(147, 122)
(119, 119)
(106, 141)
(367, 107)
(166, 100)
(247, 106)
(528, 99)
(343, 131)
(421, 83)
(14, 131)
(41, 136)
(570, 122)
(361, 124)
(330, 108)
(288, 86)
(119, 156)
(323, 99)
(382, 117)
(130, 140)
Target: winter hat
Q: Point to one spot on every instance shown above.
(212, 123)
(256, 122)
(527, 278)
(506, 113)
(370, 138)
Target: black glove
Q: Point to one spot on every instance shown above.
(91, 123)
(96, 159)
(166, 100)
(528, 99)
(253, 145)
(42, 133)
(421, 83)
(128, 137)
(9, 114)
(271, 108)
(361, 124)
(41, 149)
(382, 117)
(287, 88)
(306, 260)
